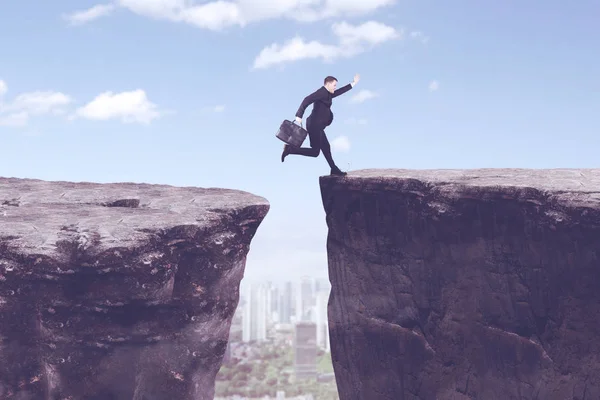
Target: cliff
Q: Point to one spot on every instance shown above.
(118, 291)
(475, 284)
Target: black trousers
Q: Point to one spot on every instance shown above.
(318, 144)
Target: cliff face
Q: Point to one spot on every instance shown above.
(118, 291)
(477, 284)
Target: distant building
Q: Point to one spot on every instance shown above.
(321, 319)
(305, 350)
(286, 303)
(322, 285)
(305, 299)
(274, 301)
(255, 313)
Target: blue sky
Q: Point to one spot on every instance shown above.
(192, 93)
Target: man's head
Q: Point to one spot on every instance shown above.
(330, 82)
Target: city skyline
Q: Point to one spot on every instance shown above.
(291, 315)
(264, 304)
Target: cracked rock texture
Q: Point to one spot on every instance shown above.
(118, 291)
(465, 284)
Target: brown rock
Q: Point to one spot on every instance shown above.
(474, 284)
(118, 291)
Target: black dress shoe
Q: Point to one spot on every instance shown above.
(286, 151)
(337, 171)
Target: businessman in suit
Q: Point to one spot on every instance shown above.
(320, 118)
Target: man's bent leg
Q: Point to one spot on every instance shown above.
(315, 136)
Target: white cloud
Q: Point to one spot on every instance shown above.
(19, 111)
(370, 32)
(352, 40)
(219, 14)
(39, 102)
(132, 106)
(15, 119)
(341, 144)
(294, 50)
(214, 16)
(433, 86)
(334, 8)
(363, 96)
(417, 35)
(97, 11)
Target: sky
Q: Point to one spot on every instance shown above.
(191, 93)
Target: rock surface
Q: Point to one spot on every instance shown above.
(465, 284)
(118, 291)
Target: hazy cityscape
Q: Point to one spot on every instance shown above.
(279, 344)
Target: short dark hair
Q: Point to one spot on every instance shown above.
(329, 79)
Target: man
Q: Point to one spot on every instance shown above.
(320, 118)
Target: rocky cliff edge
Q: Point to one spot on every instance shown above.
(465, 284)
(118, 291)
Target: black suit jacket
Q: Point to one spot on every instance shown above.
(321, 113)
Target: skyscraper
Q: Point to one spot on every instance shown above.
(304, 299)
(286, 303)
(305, 350)
(274, 302)
(268, 286)
(255, 313)
(321, 320)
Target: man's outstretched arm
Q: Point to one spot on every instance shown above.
(308, 100)
(349, 86)
(342, 90)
